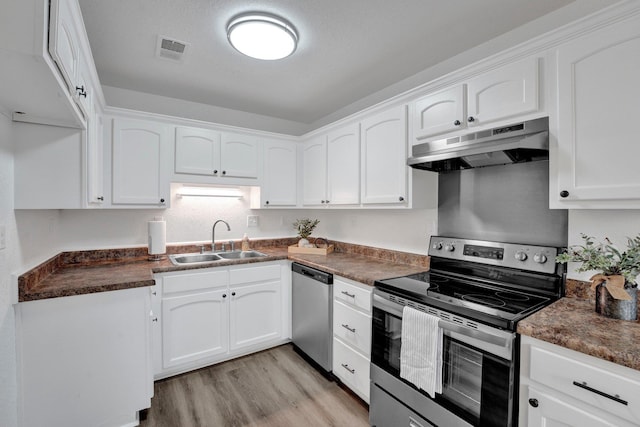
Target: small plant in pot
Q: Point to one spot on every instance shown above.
(616, 290)
(305, 227)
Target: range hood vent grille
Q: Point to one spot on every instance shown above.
(518, 143)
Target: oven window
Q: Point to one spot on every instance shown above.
(385, 351)
(462, 376)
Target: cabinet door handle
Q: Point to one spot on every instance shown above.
(224, 295)
(100, 198)
(161, 200)
(615, 398)
(81, 91)
(564, 194)
(471, 119)
(215, 171)
(348, 294)
(457, 123)
(224, 172)
(348, 328)
(401, 199)
(233, 294)
(533, 402)
(345, 366)
(155, 319)
(266, 203)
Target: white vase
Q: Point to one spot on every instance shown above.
(303, 243)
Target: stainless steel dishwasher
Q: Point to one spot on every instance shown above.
(312, 320)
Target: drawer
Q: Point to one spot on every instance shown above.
(573, 374)
(357, 296)
(353, 327)
(194, 281)
(254, 274)
(351, 368)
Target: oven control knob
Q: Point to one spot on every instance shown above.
(449, 247)
(520, 256)
(437, 246)
(540, 258)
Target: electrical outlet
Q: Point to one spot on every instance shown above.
(3, 237)
(252, 220)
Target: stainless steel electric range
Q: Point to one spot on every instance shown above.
(479, 290)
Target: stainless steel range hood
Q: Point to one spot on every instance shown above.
(517, 143)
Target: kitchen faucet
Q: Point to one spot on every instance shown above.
(213, 233)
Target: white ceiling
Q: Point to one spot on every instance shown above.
(348, 48)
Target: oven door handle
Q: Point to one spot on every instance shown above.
(450, 327)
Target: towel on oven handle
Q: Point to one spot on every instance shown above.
(421, 350)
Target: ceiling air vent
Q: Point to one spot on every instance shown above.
(171, 49)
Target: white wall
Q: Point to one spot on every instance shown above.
(616, 225)
(190, 219)
(8, 391)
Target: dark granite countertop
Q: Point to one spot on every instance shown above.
(572, 322)
(83, 272)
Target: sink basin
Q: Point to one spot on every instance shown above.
(193, 258)
(240, 254)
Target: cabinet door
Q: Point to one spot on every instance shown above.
(384, 157)
(598, 101)
(239, 154)
(63, 40)
(255, 314)
(508, 91)
(194, 327)
(197, 151)
(441, 112)
(140, 172)
(279, 183)
(343, 166)
(551, 411)
(314, 168)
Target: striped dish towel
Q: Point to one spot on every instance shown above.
(421, 350)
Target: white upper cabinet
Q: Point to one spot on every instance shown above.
(509, 91)
(441, 112)
(218, 156)
(238, 156)
(64, 43)
(595, 162)
(384, 157)
(95, 157)
(314, 171)
(197, 151)
(343, 166)
(140, 154)
(279, 183)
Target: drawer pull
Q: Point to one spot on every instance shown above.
(345, 366)
(348, 328)
(615, 398)
(348, 294)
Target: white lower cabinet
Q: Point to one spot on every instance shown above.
(211, 315)
(562, 387)
(84, 360)
(352, 334)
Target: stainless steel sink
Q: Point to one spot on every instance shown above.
(182, 259)
(240, 254)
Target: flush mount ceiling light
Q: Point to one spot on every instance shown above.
(262, 36)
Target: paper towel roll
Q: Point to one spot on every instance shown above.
(157, 237)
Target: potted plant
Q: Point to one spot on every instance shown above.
(305, 227)
(616, 290)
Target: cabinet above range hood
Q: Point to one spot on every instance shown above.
(517, 143)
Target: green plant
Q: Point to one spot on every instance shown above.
(305, 227)
(605, 257)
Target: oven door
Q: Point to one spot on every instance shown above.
(478, 369)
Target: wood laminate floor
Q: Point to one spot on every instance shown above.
(273, 388)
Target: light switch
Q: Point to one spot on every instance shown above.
(252, 220)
